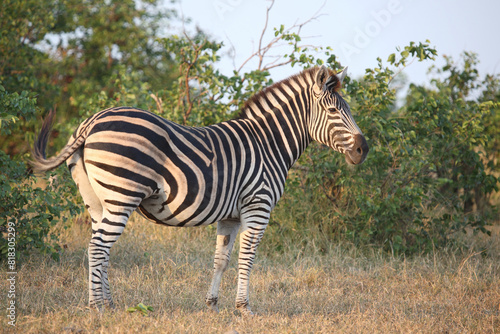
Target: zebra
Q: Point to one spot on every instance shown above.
(124, 159)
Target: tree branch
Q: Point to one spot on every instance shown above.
(159, 103)
(187, 78)
(262, 51)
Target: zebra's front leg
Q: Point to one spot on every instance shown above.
(226, 235)
(253, 226)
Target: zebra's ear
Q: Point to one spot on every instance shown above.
(322, 76)
(334, 82)
(341, 75)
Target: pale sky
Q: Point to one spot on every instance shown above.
(358, 31)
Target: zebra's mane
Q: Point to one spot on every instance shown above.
(309, 73)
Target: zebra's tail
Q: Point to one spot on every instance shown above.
(40, 163)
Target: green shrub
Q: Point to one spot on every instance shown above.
(29, 211)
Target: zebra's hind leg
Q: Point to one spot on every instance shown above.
(97, 251)
(226, 235)
(104, 235)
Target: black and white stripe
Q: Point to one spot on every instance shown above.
(126, 159)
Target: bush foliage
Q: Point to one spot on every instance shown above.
(429, 173)
(34, 211)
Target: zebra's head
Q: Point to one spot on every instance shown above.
(332, 123)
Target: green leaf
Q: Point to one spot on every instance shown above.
(392, 58)
(140, 307)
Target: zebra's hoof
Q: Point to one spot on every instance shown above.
(99, 307)
(244, 311)
(108, 303)
(212, 304)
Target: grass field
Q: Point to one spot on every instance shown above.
(307, 289)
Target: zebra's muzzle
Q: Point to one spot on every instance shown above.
(358, 153)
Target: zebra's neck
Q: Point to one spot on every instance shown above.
(281, 114)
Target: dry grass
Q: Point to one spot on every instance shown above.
(301, 291)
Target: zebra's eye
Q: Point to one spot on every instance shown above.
(332, 110)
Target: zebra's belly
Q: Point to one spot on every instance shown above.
(157, 210)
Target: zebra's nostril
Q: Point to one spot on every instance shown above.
(359, 151)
